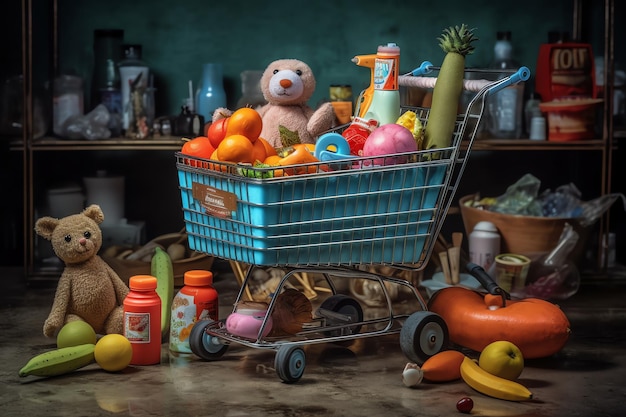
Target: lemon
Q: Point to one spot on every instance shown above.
(76, 333)
(113, 352)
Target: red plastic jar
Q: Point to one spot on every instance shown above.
(356, 134)
(142, 320)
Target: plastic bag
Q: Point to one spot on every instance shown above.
(520, 198)
(594, 209)
(564, 202)
(554, 276)
(92, 126)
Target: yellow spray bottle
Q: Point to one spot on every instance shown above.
(365, 98)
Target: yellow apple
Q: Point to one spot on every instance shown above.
(502, 358)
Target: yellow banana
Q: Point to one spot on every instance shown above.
(492, 385)
(59, 361)
(161, 267)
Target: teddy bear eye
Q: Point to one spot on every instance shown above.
(87, 234)
(299, 72)
(68, 238)
(275, 71)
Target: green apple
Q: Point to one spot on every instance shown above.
(76, 333)
(502, 358)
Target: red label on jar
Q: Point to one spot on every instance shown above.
(565, 70)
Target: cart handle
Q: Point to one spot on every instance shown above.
(425, 67)
(407, 80)
(522, 74)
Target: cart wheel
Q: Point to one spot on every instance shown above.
(290, 363)
(423, 334)
(342, 304)
(203, 344)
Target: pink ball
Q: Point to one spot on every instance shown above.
(388, 139)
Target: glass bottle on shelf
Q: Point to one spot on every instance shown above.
(134, 76)
(504, 109)
(210, 94)
(107, 53)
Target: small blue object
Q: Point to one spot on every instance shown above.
(331, 147)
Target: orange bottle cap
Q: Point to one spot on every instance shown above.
(198, 278)
(142, 282)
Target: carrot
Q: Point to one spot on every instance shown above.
(456, 42)
(443, 367)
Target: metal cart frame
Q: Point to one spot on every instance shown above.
(229, 230)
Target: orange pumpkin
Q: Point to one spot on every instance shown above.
(539, 328)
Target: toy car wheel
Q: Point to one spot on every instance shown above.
(203, 344)
(346, 306)
(290, 362)
(423, 334)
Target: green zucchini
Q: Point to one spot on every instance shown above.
(456, 42)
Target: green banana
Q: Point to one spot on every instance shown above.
(59, 361)
(163, 270)
(492, 385)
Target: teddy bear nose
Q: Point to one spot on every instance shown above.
(285, 83)
(82, 241)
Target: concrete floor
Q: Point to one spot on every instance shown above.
(587, 378)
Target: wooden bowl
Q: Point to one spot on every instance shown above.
(193, 260)
(522, 234)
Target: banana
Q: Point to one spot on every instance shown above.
(492, 385)
(161, 267)
(59, 361)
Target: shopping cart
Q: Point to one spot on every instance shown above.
(321, 227)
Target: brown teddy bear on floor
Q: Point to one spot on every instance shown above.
(287, 85)
(88, 289)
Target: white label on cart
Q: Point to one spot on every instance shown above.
(216, 202)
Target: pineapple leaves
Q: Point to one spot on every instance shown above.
(458, 40)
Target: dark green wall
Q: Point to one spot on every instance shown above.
(178, 36)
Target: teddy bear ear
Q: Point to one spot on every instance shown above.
(45, 226)
(95, 213)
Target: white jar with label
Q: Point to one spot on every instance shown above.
(484, 245)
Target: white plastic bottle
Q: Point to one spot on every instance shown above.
(385, 105)
(484, 245)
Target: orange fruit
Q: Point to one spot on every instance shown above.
(274, 160)
(258, 153)
(269, 149)
(235, 148)
(245, 121)
(216, 167)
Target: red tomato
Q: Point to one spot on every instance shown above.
(199, 147)
(217, 131)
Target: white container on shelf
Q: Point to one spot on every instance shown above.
(484, 245)
(108, 193)
(65, 200)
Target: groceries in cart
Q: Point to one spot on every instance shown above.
(371, 193)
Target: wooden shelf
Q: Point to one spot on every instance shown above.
(56, 144)
(536, 145)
